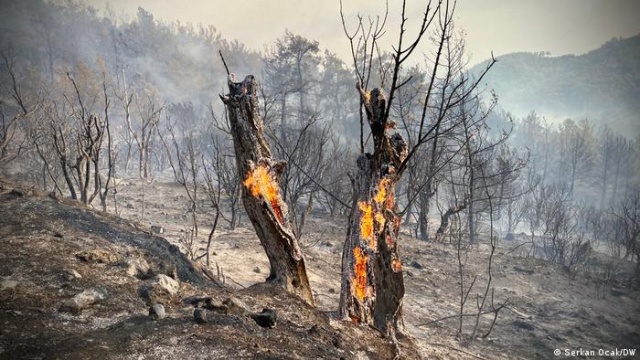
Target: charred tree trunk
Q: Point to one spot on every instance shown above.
(261, 191)
(423, 216)
(372, 286)
(444, 219)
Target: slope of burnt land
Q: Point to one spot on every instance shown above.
(76, 283)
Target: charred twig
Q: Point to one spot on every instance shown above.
(456, 316)
(224, 63)
(517, 247)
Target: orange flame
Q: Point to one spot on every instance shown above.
(379, 220)
(372, 220)
(382, 191)
(260, 182)
(382, 197)
(366, 222)
(359, 284)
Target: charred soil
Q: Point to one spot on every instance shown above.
(78, 284)
(55, 253)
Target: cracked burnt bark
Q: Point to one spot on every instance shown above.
(261, 191)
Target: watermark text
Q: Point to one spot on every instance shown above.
(581, 352)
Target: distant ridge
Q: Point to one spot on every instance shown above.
(602, 85)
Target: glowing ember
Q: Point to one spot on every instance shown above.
(390, 201)
(382, 191)
(379, 221)
(372, 219)
(359, 284)
(366, 222)
(372, 224)
(383, 196)
(396, 265)
(260, 182)
(396, 224)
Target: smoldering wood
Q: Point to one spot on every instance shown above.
(268, 217)
(372, 285)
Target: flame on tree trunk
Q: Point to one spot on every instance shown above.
(261, 191)
(261, 183)
(372, 286)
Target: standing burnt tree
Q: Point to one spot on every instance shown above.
(261, 191)
(372, 287)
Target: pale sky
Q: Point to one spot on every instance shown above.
(501, 26)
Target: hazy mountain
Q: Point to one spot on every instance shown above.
(602, 85)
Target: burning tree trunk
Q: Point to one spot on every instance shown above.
(261, 191)
(372, 284)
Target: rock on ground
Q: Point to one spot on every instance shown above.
(236, 306)
(99, 256)
(160, 290)
(157, 312)
(137, 267)
(200, 316)
(83, 300)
